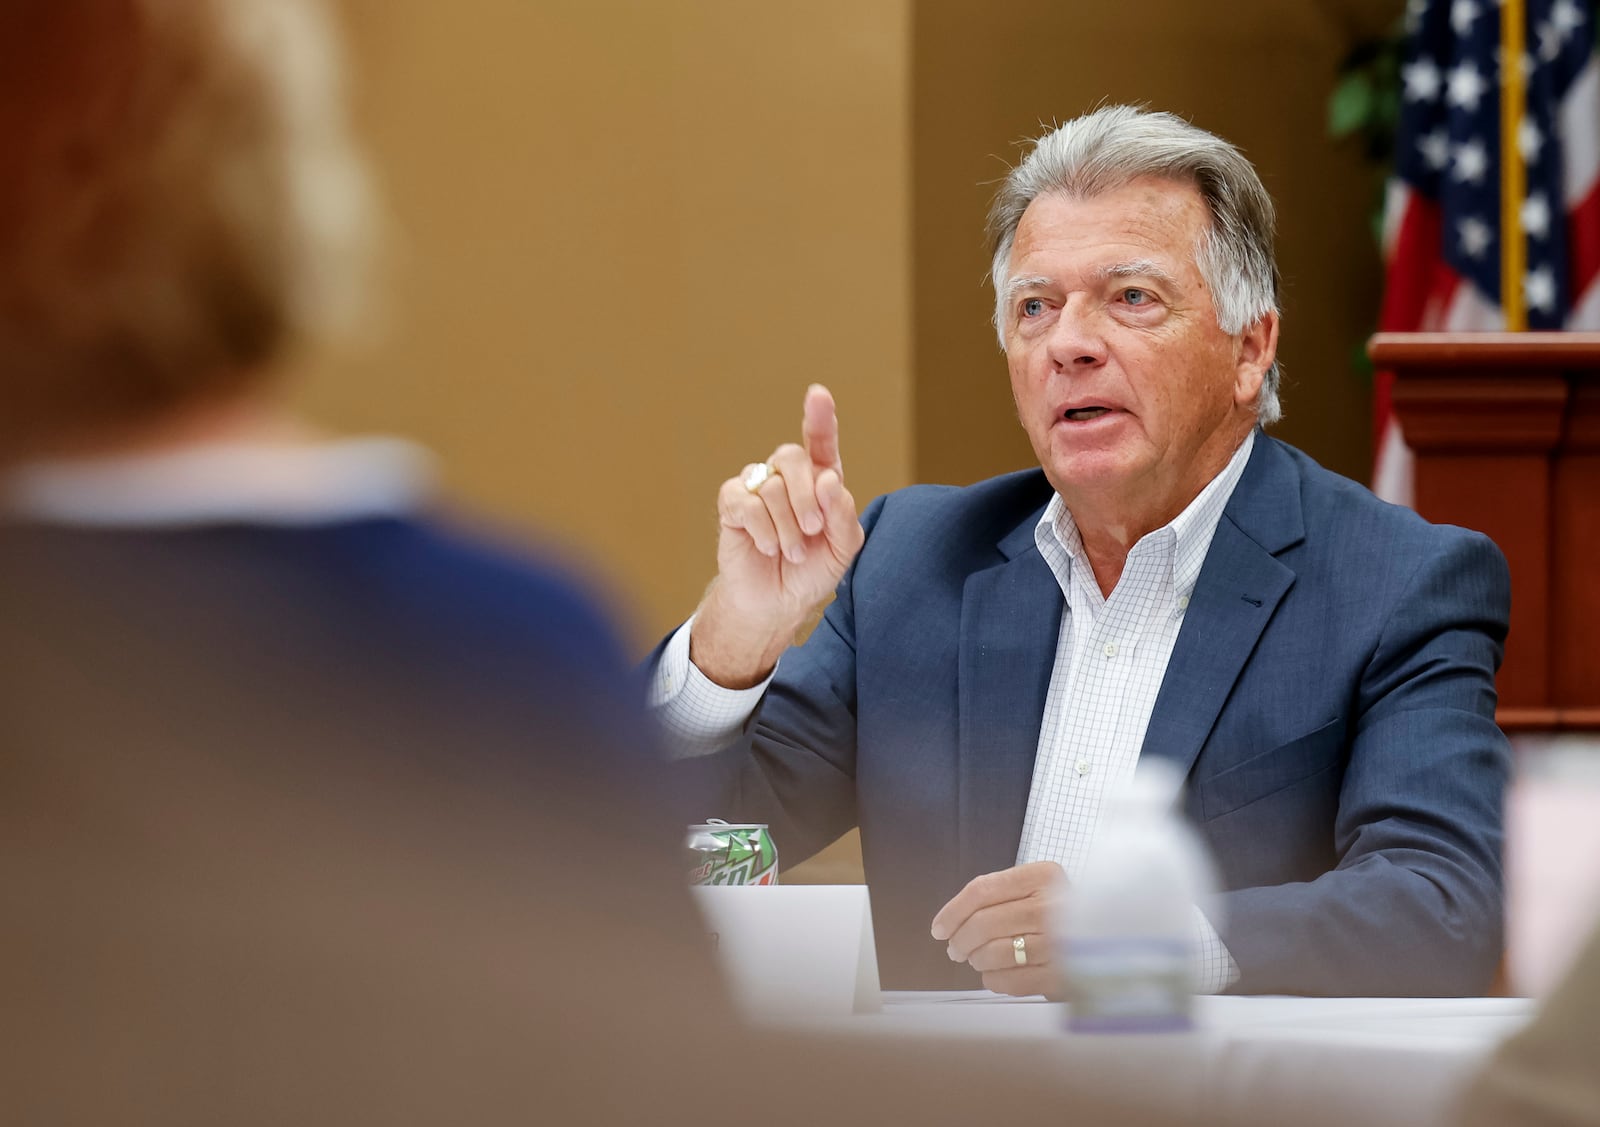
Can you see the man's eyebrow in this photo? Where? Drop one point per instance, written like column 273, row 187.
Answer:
column 1137, row 268
column 1032, row 282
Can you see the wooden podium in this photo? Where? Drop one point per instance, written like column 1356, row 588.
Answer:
column 1506, row 432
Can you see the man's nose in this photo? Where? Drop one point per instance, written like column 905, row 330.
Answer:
column 1077, row 340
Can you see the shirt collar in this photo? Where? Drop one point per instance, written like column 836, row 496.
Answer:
column 1187, row 536
column 224, row 482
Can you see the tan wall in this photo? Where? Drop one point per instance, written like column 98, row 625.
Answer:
column 630, row 234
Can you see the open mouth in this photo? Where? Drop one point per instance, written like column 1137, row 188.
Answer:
column 1084, row 414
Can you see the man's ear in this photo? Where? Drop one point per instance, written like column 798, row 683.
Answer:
column 1258, row 348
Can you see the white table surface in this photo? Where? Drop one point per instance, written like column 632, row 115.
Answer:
column 1306, row 1061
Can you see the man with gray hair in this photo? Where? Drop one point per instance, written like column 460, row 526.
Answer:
column 1170, row 583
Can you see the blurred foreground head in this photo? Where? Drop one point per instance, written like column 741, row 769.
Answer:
column 180, row 204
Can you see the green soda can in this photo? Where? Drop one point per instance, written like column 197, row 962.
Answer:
column 720, row 853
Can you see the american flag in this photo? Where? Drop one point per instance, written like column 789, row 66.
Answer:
column 1442, row 221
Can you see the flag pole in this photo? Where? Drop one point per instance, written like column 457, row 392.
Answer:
column 1513, row 172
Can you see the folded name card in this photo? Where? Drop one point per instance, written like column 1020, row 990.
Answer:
column 799, row 949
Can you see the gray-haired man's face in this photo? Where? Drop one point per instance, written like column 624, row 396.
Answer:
column 1132, row 395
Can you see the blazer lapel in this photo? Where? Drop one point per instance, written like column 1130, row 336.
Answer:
column 1010, row 618
column 1240, row 585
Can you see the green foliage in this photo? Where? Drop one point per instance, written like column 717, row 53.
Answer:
column 1365, row 102
column 1350, row 106
column 1364, row 109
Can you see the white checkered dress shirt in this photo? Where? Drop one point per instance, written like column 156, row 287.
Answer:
column 1111, row 656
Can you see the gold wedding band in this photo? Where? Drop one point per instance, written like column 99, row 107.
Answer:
column 757, row 476
column 1019, row 950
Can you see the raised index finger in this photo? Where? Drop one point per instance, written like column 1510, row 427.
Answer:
column 819, row 429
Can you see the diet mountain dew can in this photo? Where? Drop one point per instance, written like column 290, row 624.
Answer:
column 720, row 853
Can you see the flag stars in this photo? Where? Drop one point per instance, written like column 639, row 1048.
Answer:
column 1435, row 148
column 1539, row 288
column 1466, row 87
column 1536, row 215
column 1475, row 236
column 1529, row 139
column 1566, row 17
column 1471, row 162
column 1423, row 80
column 1549, row 45
column 1452, row 150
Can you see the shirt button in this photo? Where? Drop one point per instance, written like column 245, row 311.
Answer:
column 1083, row 766
column 1183, row 602
column 1111, row 649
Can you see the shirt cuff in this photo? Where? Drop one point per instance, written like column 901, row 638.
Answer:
column 1214, row 969
column 697, row 716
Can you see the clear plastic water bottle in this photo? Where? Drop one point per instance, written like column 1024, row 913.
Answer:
column 1125, row 929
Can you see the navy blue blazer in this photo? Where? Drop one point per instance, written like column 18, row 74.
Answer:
column 1331, row 696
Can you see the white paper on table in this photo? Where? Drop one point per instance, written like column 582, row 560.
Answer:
column 795, row 949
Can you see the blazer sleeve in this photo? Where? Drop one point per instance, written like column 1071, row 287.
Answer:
column 1414, row 905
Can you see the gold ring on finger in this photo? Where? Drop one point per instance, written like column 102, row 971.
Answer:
column 1019, row 950
column 756, row 476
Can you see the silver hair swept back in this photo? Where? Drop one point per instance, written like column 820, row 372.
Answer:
column 1113, row 146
